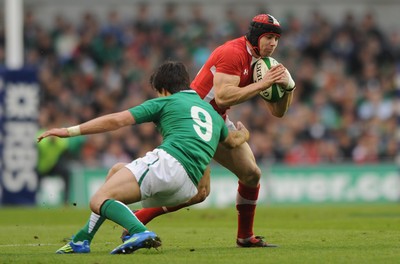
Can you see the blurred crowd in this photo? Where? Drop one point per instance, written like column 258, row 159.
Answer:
column 346, row 73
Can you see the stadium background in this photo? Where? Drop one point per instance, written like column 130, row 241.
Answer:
column 338, row 142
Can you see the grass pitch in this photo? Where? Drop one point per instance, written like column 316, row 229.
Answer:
column 305, row 234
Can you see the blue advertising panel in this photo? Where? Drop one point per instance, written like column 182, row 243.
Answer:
column 19, row 111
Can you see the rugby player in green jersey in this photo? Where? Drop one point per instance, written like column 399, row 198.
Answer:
column 166, row 176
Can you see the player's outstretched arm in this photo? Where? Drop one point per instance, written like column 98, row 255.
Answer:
column 98, row 125
column 237, row 137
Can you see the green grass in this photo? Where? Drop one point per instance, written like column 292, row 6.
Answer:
column 305, row 234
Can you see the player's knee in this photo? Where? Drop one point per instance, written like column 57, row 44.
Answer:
column 95, row 204
column 252, row 177
column 202, row 194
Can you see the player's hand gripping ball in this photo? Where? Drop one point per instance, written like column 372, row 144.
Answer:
column 275, row 92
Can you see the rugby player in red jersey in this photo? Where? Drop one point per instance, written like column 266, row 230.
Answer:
column 225, row 80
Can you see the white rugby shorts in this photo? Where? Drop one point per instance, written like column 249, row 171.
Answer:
column 162, row 179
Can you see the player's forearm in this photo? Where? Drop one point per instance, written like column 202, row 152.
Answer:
column 280, row 108
column 233, row 95
column 228, row 93
column 106, row 123
column 97, row 125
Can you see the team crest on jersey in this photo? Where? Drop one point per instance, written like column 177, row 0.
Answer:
column 246, row 72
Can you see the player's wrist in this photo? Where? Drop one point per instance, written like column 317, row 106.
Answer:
column 290, row 86
column 74, row 131
column 290, row 90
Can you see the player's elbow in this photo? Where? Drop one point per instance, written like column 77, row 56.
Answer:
column 221, row 102
column 278, row 114
column 278, row 111
column 121, row 119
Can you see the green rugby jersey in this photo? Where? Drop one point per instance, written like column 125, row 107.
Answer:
column 190, row 127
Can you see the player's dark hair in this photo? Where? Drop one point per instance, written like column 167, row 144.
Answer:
column 171, row 76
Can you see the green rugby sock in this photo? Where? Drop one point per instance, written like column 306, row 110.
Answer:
column 90, row 229
column 122, row 215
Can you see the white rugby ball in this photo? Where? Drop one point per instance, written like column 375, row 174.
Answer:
column 273, row 93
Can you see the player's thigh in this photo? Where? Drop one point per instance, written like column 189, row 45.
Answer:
column 204, row 183
column 114, row 169
column 240, row 161
column 203, row 187
column 122, row 187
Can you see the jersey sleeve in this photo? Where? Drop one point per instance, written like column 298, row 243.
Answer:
column 148, row 111
column 230, row 61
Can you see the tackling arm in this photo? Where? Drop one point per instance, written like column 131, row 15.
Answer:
column 97, row 125
column 236, row 137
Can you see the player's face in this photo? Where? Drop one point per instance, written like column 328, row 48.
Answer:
column 268, row 44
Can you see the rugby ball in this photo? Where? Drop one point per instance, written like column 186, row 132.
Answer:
column 273, row 93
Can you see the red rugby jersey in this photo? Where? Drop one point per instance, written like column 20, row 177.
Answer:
column 232, row 58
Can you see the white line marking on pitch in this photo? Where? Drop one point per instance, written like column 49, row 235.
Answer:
column 38, row 245
column 27, row 245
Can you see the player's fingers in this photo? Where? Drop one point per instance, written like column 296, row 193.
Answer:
column 278, row 73
column 42, row 136
column 277, row 67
